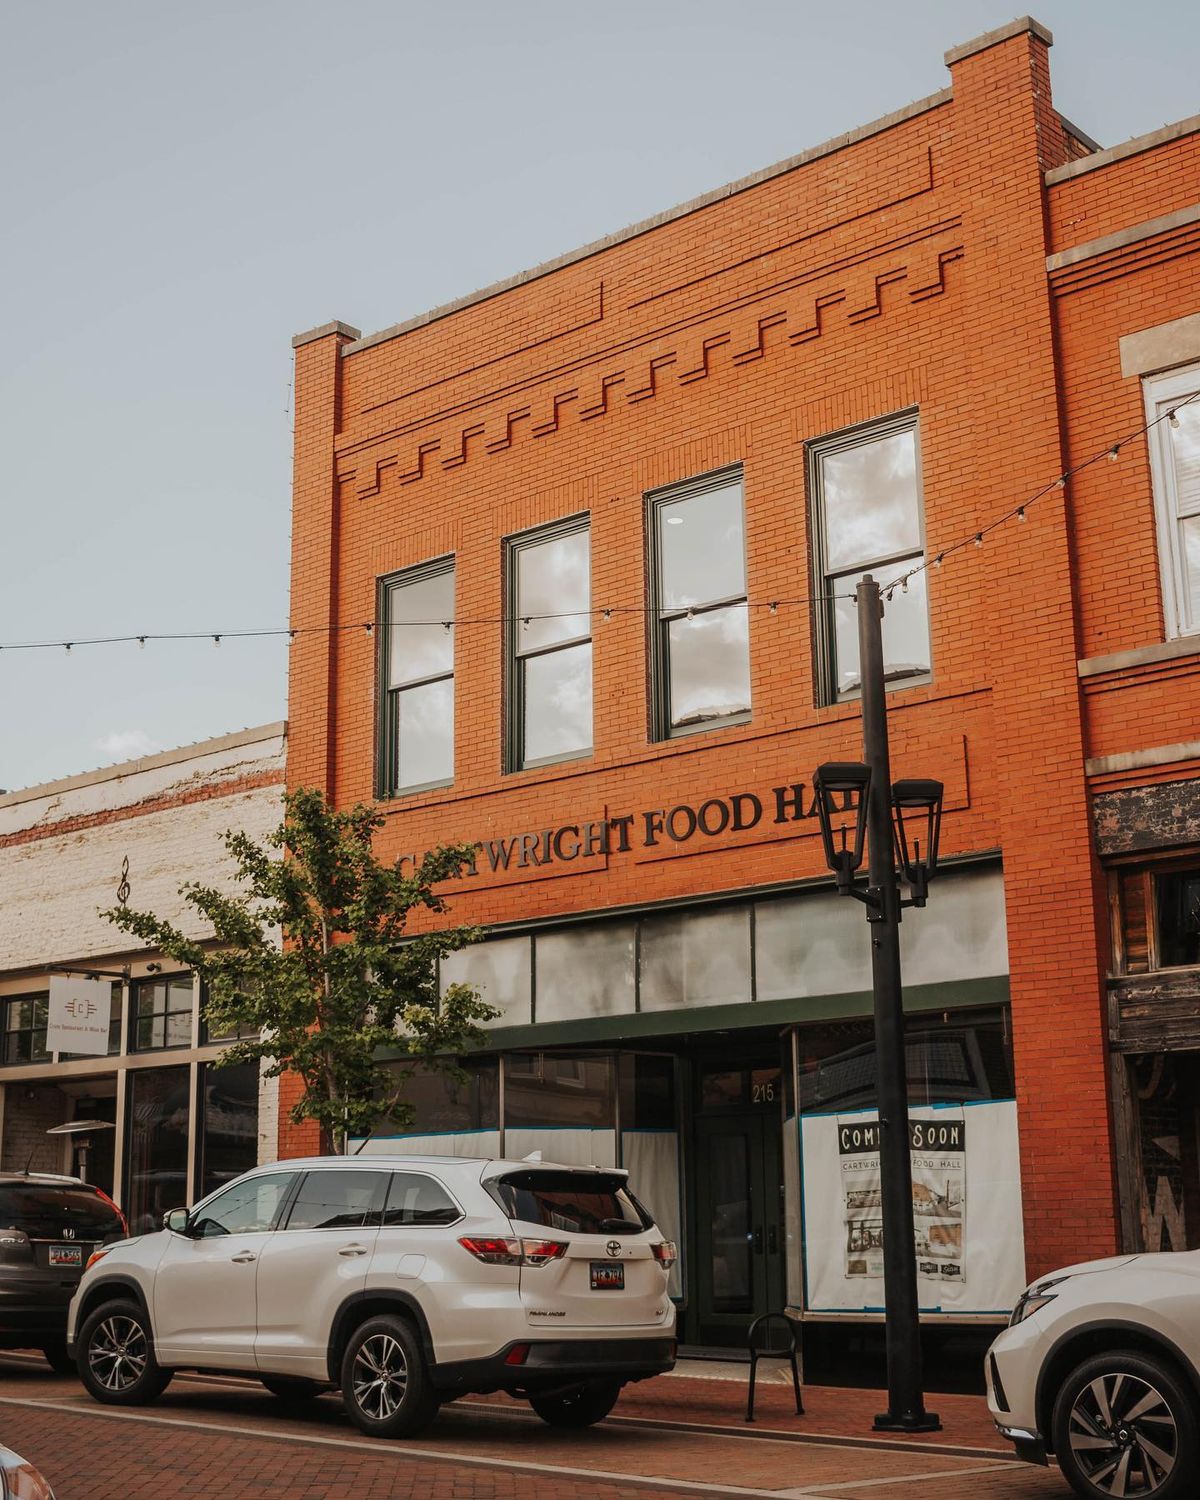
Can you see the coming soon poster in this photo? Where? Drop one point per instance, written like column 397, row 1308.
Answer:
column 966, row 1206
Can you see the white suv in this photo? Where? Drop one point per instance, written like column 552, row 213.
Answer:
column 1100, row 1365
column 405, row 1281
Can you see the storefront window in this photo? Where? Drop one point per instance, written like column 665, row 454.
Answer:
column 229, row 1034
column 962, row 1058
column 444, row 1104
column 227, row 1130
column 162, row 1013
column 25, row 1029
column 696, row 958
column 156, row 1125
column 555, row 1089
column 586, row 971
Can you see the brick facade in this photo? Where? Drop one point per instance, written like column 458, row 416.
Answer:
column 903, row 266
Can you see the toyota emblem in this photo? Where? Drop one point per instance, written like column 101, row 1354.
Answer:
column 68, row 1233
column 614, row 1248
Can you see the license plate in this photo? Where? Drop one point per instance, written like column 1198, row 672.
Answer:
column 607, row 1277
column 66, row 1255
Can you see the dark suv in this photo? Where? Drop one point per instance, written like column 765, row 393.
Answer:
column 48, row 1227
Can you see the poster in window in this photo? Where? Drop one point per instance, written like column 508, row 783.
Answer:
column 966, row 1201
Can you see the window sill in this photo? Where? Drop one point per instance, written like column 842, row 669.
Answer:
column 400, row 793
column 552, row 760
column 1141, row 656
column 707, row 726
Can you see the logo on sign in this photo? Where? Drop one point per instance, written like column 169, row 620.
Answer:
column 614, row 1248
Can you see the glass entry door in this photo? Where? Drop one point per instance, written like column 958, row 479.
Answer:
column 739, row 1233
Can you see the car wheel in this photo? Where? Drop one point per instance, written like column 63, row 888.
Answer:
column 57, row 1357
column 581, row 1406
column 291, row 1387
column 115, row 1356
column 385, row 1383
column 1124, row 1425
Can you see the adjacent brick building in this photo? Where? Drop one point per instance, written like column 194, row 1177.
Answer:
column 170, row 1126
column 606, row 514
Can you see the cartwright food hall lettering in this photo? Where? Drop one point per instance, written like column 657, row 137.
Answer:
column 735, row 813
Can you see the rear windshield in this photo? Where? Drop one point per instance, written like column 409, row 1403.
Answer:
column 586, row 1202
column 42, row 1211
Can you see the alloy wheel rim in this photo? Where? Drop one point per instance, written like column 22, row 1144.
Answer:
column 1123, row 1436
column 117, row 1353
column 380, row 1376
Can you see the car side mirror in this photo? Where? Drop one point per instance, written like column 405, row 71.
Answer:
column 176, row 1220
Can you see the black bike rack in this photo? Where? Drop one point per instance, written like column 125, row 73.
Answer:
column 757, row 1353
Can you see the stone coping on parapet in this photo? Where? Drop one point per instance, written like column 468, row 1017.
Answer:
column 147, row 763
column 1133, row 147
column 1003, row 33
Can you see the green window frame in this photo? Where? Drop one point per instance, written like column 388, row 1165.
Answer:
column 684, row 610
column 25, row 1021
column 415, row 673
column 533, row 645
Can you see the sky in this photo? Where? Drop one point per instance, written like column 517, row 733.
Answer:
column 185, row 186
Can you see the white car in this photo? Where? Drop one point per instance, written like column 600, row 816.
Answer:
column 405, row 1281
column 1100, row 1365
column 20, row 1480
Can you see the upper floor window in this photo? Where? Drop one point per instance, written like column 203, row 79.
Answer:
column 700, row 640
column 1159, row 925
column 417, row 669
column 162, row 1013
column 550, row 645
column 1175, row 465
column 867, row 518
column 25, row 1021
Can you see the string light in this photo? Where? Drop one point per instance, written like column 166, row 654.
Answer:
column 606, row 612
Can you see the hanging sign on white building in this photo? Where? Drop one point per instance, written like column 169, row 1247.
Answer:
column 78, row 1015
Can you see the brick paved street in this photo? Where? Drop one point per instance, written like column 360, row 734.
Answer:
column 207, row 1437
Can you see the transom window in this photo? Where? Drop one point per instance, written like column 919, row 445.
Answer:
column 867, row 518
column 1175, row 465
column 162, row 1013
column 550, row 645
column 700, row 642
column 417, row 730
column 25, row 1020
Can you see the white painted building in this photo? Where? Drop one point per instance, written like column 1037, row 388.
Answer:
column 170, row 1124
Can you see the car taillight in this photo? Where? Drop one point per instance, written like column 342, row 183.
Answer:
column 494, row 1250
column 100, row 1193
column 96, row 1255
column 665, row 1252
column 541, row 1252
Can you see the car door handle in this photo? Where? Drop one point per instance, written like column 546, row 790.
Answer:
column 243, row 1257
column 353, row 1250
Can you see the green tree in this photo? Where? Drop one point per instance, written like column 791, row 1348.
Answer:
column 347, row 980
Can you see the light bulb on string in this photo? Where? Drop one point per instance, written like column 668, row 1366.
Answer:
column 448, row 625
column 369, row 626
column 216, row 640
column 1114, row 453
column 773, row 607
column 979, row 538
column 1020, row 512
column 904, row 584
column 1172, row 419
column 606, row 615
column 141, row 642
column 937, row 562
column 1061, row 482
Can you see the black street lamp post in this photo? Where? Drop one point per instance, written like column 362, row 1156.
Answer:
column 893, row 821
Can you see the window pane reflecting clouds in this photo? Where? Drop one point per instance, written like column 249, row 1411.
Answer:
column 1185, row 455
column 905, row 633
column 586, row 971
column 558, row 703
column 553, row 577
column 419, row 651
column 696, row 958
column 709, row 665
column 425, row 733
column 870, row 498
column 702, row 547
column 1191, row 567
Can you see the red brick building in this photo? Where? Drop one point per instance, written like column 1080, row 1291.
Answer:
column 606, row 514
